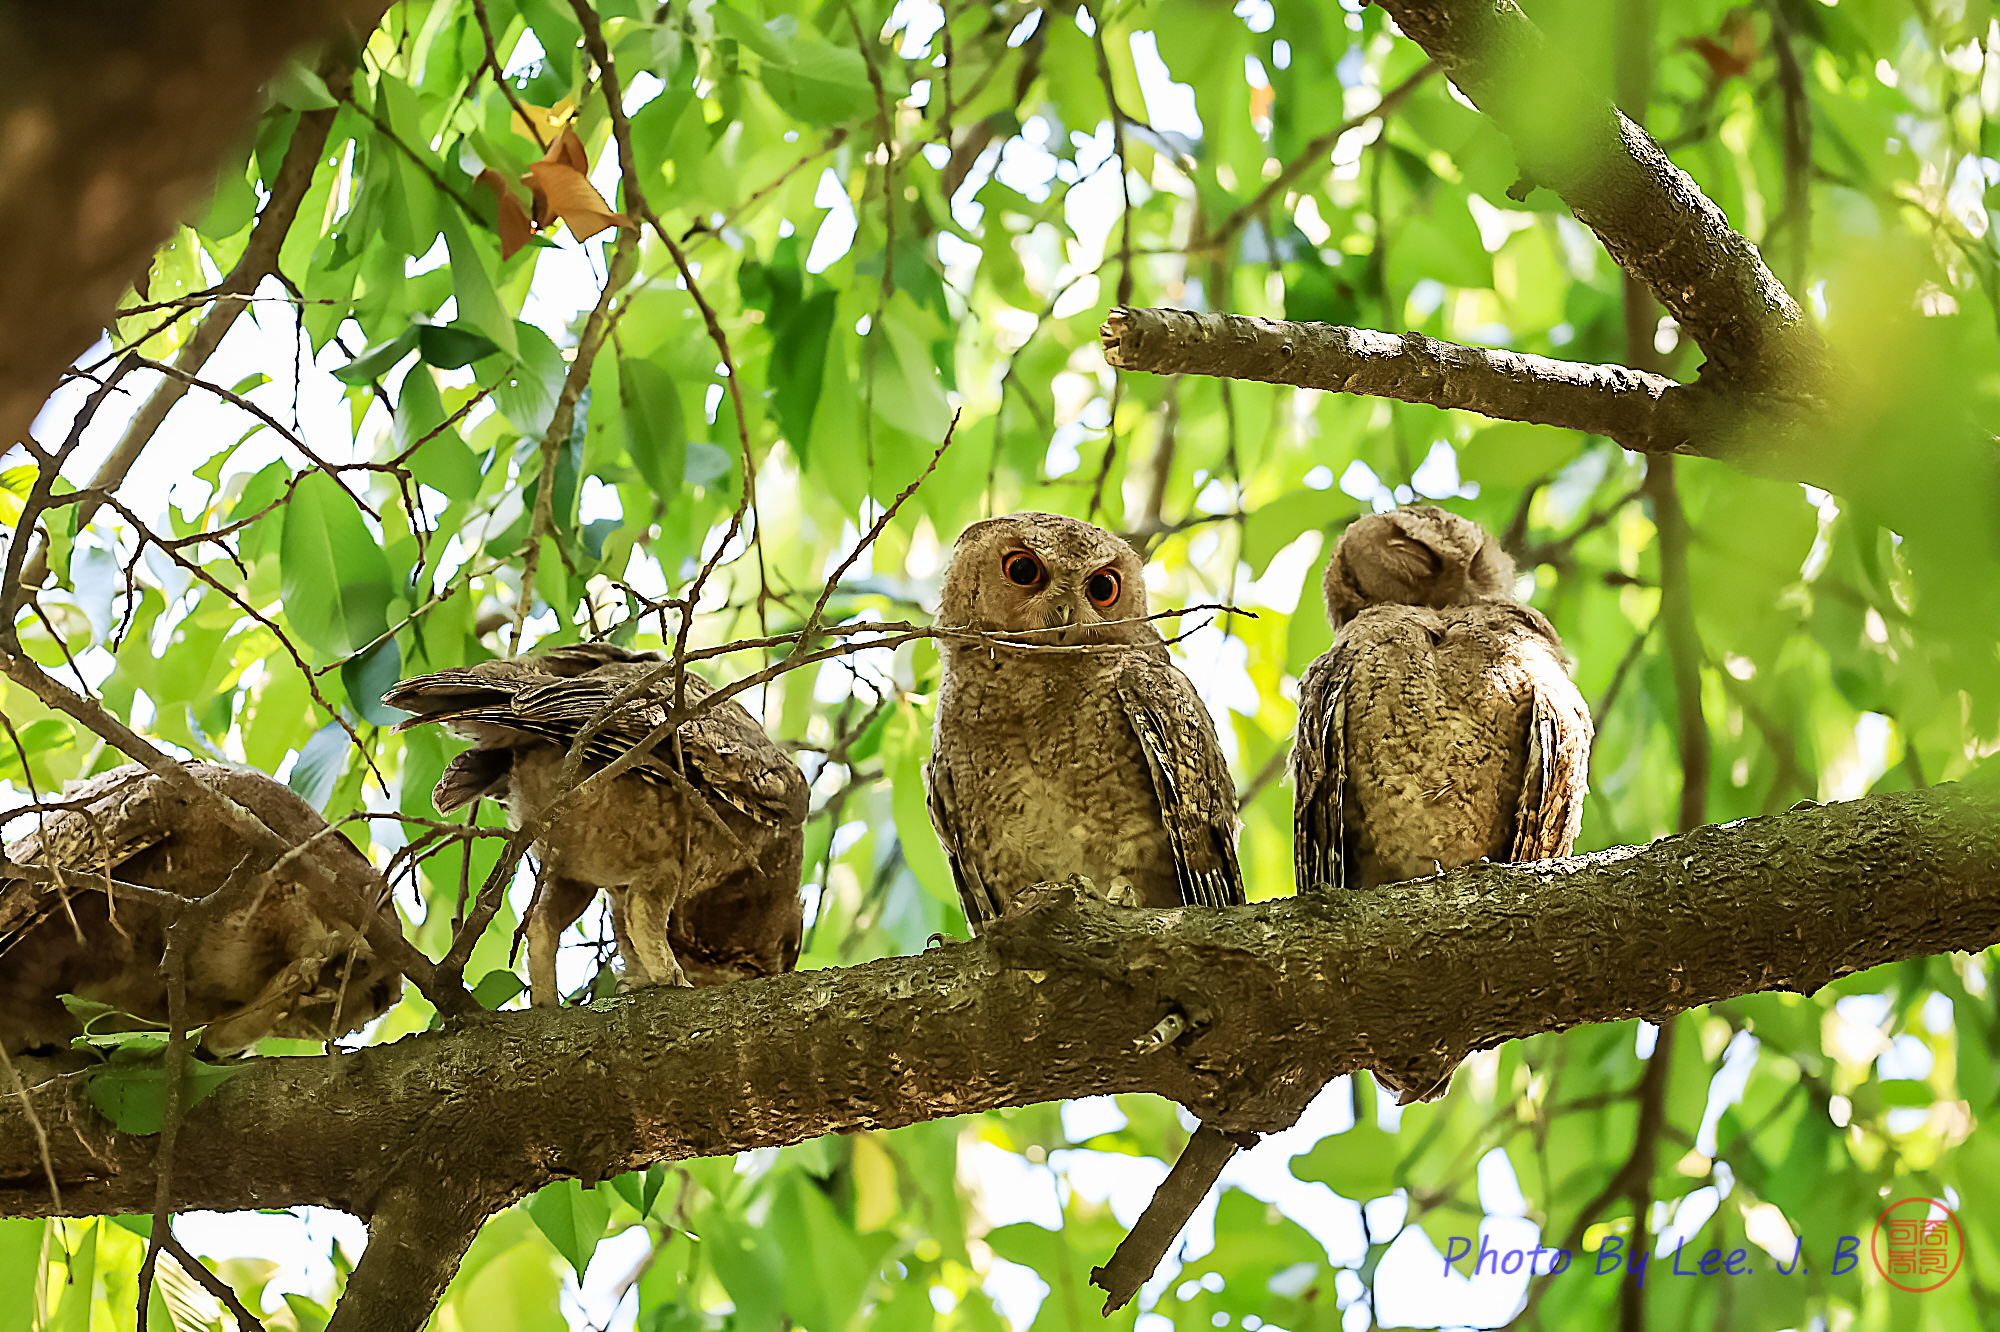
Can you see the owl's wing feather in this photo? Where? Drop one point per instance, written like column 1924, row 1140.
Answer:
column 550, row 698
column 1319, row 773
column 1190, row 779
column 1550, row 811
column 941, row 797
column 729, row 756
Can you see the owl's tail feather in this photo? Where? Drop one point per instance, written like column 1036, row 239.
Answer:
column 470, row 775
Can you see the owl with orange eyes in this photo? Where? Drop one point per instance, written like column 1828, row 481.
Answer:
column 1066, row 741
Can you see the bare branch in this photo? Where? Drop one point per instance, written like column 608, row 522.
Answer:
column 623, row 258
column 1644, row 412
column 418, row 1232
column 1315, row 154
column 1651, row 216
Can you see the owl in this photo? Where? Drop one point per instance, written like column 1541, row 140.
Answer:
column 698, row 847
column 275, row 964
column 1072, row 745
column 1442, row 727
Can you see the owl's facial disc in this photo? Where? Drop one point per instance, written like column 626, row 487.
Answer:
column 1031, row 600
column 1056, row 581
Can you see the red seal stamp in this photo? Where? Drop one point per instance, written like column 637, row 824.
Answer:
column 1917, row 1244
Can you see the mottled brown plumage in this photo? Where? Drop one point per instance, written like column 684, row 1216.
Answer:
column 1082, row 750
column 1442, row 727
column 276, row 964
column 699, row 846
column 1419, row 555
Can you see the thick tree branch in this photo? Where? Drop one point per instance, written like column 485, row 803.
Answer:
column 1279, row 997
column 113, row 118
column 1138, row 1255
column 1644, row 412
column 1650, row 214
column 258, row 261
column 417, row 1237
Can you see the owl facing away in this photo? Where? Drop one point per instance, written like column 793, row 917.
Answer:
column 1442, row 727
column 276, row 963
column 698, row 847
column 1072, row 745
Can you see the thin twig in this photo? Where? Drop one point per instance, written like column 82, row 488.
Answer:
column 635, row 199
column 1314, row 152
column 212, row 1283
column 500, row 74
column 562, row 420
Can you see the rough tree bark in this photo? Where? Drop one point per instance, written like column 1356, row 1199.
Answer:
column 1643, row 411
column 1767, row 399
column 1653, row 219
column 113, row 120
column 1281, row 996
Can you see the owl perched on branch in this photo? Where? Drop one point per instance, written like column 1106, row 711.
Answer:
column 699, row 846
column 274, row 962
column 1442, row 727
column 1073, row 745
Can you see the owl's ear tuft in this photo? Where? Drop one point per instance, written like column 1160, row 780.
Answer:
column 1492, row 572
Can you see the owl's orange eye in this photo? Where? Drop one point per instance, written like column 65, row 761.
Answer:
column 1022, row 569
column 1102, row 587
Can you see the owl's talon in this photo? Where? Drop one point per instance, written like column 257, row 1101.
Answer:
column 1164, row 1033
column 1123, row 894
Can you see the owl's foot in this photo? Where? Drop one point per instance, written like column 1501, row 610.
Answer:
column 1121, row 893
column 628, row 983
column 1416, row 1083
column 287, row 990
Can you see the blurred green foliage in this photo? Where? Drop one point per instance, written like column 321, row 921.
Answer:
column 1840, row 656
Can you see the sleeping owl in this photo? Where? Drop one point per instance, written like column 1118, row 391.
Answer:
column 698, row 847
column 1070, row 743
column 1442, row 727
column 275, row 964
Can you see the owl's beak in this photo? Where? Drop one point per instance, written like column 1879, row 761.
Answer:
column 1061, row 616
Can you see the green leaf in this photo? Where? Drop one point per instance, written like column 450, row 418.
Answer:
column 369, row 676
column 707, row 463
column 20, row 1260
column 377, row 361
column 297, row 86
column 1272, row 527
column 798, row 363
column 479, row 306
column 442, row 461
column 496, row 987
column 39, row 739
column 86, row 1011
column 1359, row 1164
column 73, row 1299
column 335, row 579
column 133, row 1097
column 319, row 765
column 655, row 428
column 450, row 346
column 641, row 1188
column 806, row 76
column 1514, row 453
column 823, row 84
column 515, row 1290
column 527, row 397
column 827, row 1291
column 573, row 1218
column 905, row 743
column 731, row 22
